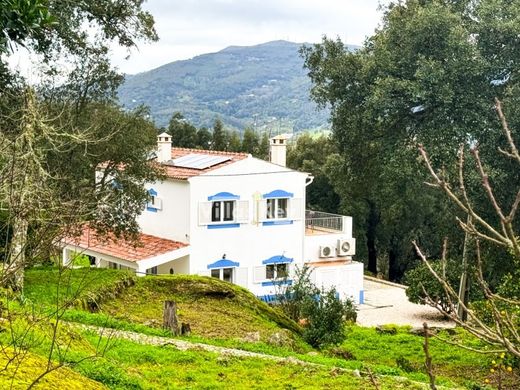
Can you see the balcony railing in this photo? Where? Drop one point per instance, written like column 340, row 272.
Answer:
column 320, row 222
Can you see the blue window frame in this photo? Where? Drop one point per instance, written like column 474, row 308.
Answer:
column 155, row 203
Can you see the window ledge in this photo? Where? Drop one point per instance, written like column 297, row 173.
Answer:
column 228, row 225
column 152, row 209
column 285, row 282
column 278, row 222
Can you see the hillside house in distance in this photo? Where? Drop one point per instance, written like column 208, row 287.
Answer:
column 233, row 217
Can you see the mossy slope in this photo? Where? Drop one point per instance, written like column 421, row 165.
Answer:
column 20, row 373
column 212, row 307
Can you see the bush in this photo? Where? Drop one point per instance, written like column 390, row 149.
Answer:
column 421, row 284
column 322, row 312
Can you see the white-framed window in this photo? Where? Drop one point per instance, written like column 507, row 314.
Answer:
column 225, row 274
column 277, row 208
column 276, row 271
column 152, row 271
column 280, row 210
column 223, row 211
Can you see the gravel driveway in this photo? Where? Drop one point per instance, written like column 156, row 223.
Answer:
column 388, row 304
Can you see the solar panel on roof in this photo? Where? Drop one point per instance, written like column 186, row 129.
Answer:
column 198, row 161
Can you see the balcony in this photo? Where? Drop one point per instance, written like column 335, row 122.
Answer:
column 318, row 222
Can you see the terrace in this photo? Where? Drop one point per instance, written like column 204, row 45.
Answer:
column 319, row 222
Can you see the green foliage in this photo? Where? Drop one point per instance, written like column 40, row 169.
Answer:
column 235, row 144
column 292, row 298
column 203, row 138
column 428, row 75
column 21, row 20
column 322, row 311
column 250, row 141
column 326, row 315
column 315, row 155
column 424, row 288
column 218, row 141
column 386, row 350
column 184, row 134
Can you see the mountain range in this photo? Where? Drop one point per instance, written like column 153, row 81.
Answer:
column 263, row 86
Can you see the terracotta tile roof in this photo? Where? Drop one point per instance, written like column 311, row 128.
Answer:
column 147, row 246
column 181, row 173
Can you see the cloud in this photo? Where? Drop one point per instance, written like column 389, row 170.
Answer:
column 188, row 28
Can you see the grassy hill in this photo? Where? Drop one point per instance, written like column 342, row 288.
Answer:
column 263, row 85
column 220, row 314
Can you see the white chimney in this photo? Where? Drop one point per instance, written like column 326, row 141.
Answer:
column 164, row 147
column 278, row 149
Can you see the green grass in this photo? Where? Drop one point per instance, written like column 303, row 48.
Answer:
column 404, row 350
column 222, row 314
column 130, row 365
column 80, row 287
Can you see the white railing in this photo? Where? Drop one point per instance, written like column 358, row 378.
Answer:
column 321, row 221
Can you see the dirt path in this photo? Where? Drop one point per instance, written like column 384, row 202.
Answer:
column 185, row 345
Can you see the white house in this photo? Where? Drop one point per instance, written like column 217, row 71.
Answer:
column 233, row 217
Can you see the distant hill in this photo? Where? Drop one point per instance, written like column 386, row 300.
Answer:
column 264, row 86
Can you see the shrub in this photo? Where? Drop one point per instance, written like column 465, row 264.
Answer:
column 423, row 285
column 323, row 312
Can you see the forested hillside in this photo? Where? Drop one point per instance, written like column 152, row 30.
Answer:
column 264, row 86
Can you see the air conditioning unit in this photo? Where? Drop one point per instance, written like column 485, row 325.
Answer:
column 346, row 247
column 327, row 251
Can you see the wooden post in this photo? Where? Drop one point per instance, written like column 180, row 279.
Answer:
column 428, row 359
column 170, row 320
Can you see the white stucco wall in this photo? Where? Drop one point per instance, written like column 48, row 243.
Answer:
column 179, row 266
column 314, row 242
column 252, row 242
column 173, row 221
column 347, row 279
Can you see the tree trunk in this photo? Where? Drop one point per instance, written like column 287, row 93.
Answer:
column 13, row 274
column 464, row 282
column 372, row 222
column 170, row 320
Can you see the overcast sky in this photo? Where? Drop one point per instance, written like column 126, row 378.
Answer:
column 188, row 28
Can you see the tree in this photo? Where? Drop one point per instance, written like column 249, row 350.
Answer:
column 203, row 138
column 219, row 136
column 61, row 150
column 424, row 289
column 428, row 75
column 71, row 31
column 235, row 144
column 21, row 21
column 48, row 183
column 263, row 147
column 315, row 155
column 184, row 134
column 502, row 304
column 250, row 141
